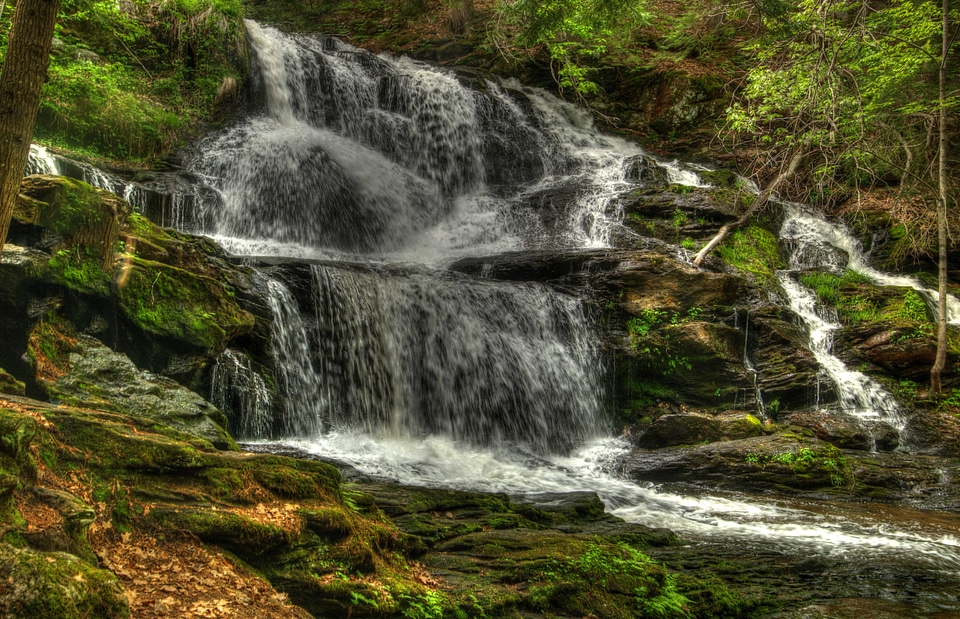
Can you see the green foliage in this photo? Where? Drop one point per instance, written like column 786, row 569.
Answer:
column 430, row 605
column 95, row 108
column 639, row 326
column 131, row 80
column 574, row 584
column 573, row 33
column 826, row 459
column 753, row 250
column 853, row 82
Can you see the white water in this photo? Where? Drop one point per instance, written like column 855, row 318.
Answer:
column 821, row 244
column 299, row 382
column 858, row 394
column 40, row 161
column 440, row 462
column 393, row 159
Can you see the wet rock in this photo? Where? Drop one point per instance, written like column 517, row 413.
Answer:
column 788, row 374
column 933, row 432
column 786, row 462
column 699, row 428
column 86, row 373
column 898, row 349
column 848, row 431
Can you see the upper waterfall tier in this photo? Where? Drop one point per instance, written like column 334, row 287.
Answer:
column 352, row 152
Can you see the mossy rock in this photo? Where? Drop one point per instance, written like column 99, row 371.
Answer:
column 80, row 371
column 331, row 523
column 288, row 476
column 56, row 586
column 117, row 443
column 696, row 429
column 168, row 301
column 17, row 432
column 10, row 385
column 244, row 536
column 287, row 482
column 68, row 206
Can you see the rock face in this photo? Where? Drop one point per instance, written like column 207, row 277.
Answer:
column 84, row 372
column 171, row 302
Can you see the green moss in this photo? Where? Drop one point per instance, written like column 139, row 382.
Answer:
column 57, row 586
column 858, row 301
column 79, row 269
column 287, row 482
column 319, row 475
column 753, row 250
column 119, row 443
column 166, row 300
column 244, row 536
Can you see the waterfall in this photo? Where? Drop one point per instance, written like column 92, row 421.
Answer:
column 371, row 155
column 814, row 244
column 303, row 404
column 40, row 161
column 241, row 393
column 821, row 244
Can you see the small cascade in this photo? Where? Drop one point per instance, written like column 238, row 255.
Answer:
column 821, row 244
column 407, row 355
column 303, row 406
column 815, row 244
column 751, row 370
column 241, row 393
column 40, row 161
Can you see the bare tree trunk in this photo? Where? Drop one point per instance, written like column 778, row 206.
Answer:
column 21, row 83
column 941, row 360
column 759, row 202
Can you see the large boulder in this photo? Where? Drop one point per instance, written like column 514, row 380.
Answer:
column 56, row 585
column 81, row 371
column 698, row 428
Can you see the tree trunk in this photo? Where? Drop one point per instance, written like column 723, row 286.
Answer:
column 941, row 360
column 21, row 83
column 761, row 200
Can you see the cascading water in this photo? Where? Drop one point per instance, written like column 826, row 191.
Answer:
column 366, row 154
column 818, row 243
column 421, row 375
column 241, row 392
column 302, row 413
column 482, row 362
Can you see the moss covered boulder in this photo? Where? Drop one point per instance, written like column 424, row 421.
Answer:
column 80, row 370
column 10, row 385
column 56, row 586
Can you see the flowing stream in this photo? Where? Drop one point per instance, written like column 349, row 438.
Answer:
column 363, row 176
